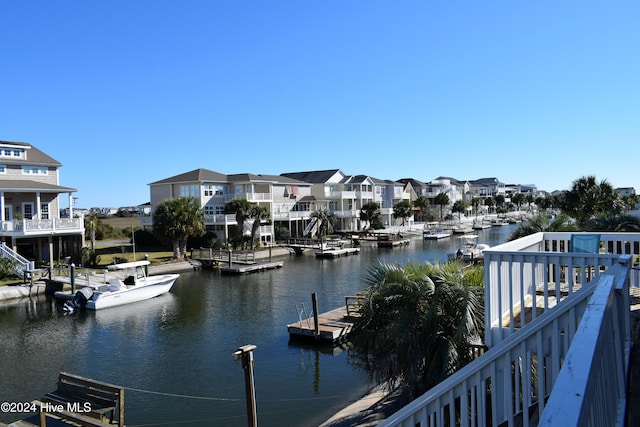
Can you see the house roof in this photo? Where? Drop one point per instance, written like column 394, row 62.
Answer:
column 205, row 175
column 30, row 186
column 314, row 177
column 196, row 175
column 34, row 155
column 414, row 182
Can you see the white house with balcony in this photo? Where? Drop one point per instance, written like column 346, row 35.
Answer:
column 345, row 195
column 30, row 194
column 286, row 200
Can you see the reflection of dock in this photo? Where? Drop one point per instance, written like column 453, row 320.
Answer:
column 234, row 262
column 332, row 326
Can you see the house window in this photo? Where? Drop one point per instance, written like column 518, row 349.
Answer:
column 213, row 190
column 44, row 211
column 209, row 210
column 219, row 209
column 3, row 169
column 190, row 191
column 34, row 170
column 27, row 210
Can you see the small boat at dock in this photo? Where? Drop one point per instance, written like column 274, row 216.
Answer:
column 127, row 283
column 470, row 250
column 432, row 231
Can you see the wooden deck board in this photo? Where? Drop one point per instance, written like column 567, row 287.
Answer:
column 332, row 326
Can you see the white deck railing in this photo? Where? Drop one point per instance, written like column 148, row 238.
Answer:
column 510, row 384
column 34, row 227
column 537, row 271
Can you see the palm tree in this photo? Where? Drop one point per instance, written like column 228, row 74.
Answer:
column 588, row 198
column 370, row 213
column 422, row 203
column 326, row 220
column 542, row 222
column 518, row 199
column 459, row 207
column 402, row 210
column 242, row 210
column 490, row 202
column 441, row 199
column 614, row 222
column 174, row 220
column 258, row 214
column 475, row 202
column 417, row 322
column 92, row 225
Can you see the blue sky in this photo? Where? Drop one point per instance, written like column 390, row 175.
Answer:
column 125, row 93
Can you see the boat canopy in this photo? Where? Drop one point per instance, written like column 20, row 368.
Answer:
column 126, row 265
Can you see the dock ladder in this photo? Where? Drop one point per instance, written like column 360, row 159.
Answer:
column 302, row 314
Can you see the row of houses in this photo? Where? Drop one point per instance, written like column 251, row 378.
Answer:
column 291, row 198
column 33, row 224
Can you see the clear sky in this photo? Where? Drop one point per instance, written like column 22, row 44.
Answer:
column 127, row 92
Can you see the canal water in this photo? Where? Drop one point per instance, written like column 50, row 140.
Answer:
column 173, row 354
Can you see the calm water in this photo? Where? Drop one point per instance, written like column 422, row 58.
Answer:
column 174, row 353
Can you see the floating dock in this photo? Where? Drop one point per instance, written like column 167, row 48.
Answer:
column 332, row 326
column 249, row 268
column 336, row 253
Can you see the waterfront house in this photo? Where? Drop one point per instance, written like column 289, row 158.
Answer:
column 557, row 329
column 30, row 196
column 287, row 200
column 345, row 195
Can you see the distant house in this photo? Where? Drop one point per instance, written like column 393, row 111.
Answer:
column 30, row 196
column 287, row 200
column 345, row 195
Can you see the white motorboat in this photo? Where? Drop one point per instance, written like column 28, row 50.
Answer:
column 470, row 250
column 127, row 283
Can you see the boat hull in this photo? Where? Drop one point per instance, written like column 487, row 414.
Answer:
column 158, row 285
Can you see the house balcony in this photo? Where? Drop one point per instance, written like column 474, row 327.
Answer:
column 340, row 195
column 557, row 325
column 255, row 197
column 42, row 227
column 291, row 215
column 347, row 213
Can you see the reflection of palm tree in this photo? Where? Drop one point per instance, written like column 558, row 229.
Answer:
column 416, row 323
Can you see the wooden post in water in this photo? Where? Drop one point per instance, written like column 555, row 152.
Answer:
column 246, row 354
column 72, row 277
column 230, row 255
column 316, row 323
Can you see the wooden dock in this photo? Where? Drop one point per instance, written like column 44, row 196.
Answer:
column 249, row 268
column 337, row 252
column 332, row 326
column 233, row 262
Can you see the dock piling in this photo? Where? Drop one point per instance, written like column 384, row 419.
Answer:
column 246, row 354
column 316, row 322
